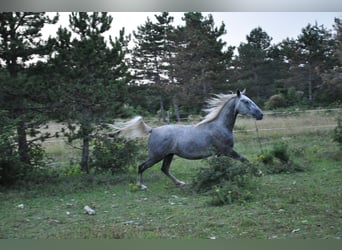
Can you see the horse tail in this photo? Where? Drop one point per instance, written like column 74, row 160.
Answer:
column 135, row 128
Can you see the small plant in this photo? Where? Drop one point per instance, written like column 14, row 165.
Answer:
column 133, row 187
column 266, row 158
column 225, row 180
column 72, row 170
column 280, row 151
column 277, row 160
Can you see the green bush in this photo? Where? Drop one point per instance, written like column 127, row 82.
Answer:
column 114, row 155
column 280, row 151
column 276, row 101
column 225, row 180
column 277, row 160
column 10, row 165
column 337, row 137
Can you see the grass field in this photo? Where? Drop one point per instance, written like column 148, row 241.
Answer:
column 284, row 206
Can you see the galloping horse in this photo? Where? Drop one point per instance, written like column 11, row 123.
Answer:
column 213, row 135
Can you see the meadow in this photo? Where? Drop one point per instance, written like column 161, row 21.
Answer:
column 296, row 205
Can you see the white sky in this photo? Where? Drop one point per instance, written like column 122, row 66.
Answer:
column 278, row 25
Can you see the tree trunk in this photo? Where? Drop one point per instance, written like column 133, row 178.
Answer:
column 85, row 131
column 176, row 108
column 85, row 154
column 310, row 84
column 162, row 109
column 22, row 143
column 23, row 147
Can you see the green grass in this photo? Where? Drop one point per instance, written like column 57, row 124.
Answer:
column 301, row 205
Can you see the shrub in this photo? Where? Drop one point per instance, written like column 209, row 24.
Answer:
column 10, row 165
column 227, row 181
column 277, row 160
column 115, row 155
column 337, row 137
column 280, row 151
column 275, row 101
column 265, row 158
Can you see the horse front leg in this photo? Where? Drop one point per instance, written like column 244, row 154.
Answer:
column 235, row 155
column 225, row 147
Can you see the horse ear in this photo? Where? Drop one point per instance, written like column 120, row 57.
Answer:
column 243, row 91
column 238, row 93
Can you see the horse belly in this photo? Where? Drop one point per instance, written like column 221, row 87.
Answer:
column 184, row 141
column 193, row 148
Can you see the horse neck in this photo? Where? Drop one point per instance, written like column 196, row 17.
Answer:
column 227, row 116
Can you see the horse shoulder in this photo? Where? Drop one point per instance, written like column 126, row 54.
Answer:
column 223, row 137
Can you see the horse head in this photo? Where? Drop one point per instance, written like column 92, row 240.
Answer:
column 246, row 106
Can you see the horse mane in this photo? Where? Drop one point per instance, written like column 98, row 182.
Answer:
column 214, row 107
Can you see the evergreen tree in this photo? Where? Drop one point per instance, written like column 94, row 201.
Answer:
column 200, row 62
column 332, row 77
column 307, row 56
column 21, row 98
column 257, row 66
column 90, row 78
column 151, row 58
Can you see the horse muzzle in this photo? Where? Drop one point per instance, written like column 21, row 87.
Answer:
column 259, row 116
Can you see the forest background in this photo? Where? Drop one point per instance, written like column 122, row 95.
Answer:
column 83, row 80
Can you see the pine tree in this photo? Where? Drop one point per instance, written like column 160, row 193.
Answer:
column 200, row 61
column 308, row 55
column 90, row 78
column 253, row 64
column 151, row 57
column 332, row 77
column 20, row 42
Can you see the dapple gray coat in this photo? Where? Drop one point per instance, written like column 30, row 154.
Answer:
column 213, row 135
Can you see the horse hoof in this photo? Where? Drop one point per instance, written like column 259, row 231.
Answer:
column 180, row 184
column 143, row 187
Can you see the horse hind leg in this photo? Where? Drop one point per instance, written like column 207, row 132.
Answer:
column 142, row 167
column 166, row 170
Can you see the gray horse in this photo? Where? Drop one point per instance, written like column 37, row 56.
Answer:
column 213, row 135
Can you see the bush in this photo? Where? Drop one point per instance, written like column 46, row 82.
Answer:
column 227, row 181
column 337, row 137
column 280, row 151
column 10, row 165
column 275, row 101
column 115, row 155
column 277, row 160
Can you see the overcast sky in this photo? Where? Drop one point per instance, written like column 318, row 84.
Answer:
column 278, row 25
